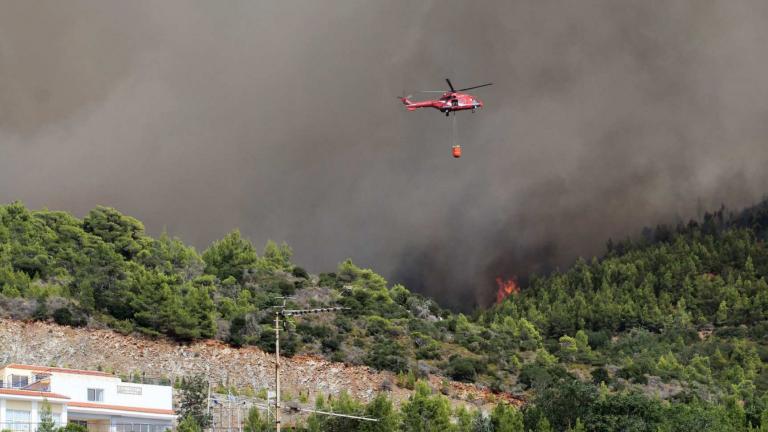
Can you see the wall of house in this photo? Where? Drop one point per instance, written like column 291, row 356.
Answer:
column 115, row 392
column 125, row 420
column 5, row 375
column 18, row 405
column 118, row 423
column 28, row 405
column 34, row 407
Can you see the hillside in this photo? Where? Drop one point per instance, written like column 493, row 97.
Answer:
column 666, row 331
column 104, row 270
column 244, row 371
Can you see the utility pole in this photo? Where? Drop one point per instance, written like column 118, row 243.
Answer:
column 208, row 400
column 288, row 312
column 277, row 369
column 239, row 418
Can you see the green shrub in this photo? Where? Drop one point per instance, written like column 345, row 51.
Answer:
column 62, row 316
column 538, row 376
column 331, row 344
column 73, row 427
column 262, row 394
column 598, row 339
column 406, row 380
column 461, row 369
column 600, row 375
column 300, row 273
column 635, row 372
column 387, row 354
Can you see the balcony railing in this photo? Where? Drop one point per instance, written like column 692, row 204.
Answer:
column 39, row 382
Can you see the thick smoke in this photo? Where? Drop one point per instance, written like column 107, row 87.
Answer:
column 280, row 118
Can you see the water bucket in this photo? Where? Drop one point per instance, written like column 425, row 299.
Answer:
column 456, row 151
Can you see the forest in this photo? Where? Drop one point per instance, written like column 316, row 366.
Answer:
column 665, row 331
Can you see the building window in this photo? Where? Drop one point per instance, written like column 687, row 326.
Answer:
column 18, row 381
column 140, row 427
column 18, row 421
column 95, row 395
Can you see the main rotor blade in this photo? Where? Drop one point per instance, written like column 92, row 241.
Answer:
column 470, row 88
column 431, row 91
column 450, row 85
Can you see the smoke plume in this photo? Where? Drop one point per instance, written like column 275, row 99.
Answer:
column 280, row 118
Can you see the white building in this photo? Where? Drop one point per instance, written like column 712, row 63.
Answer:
column 97, row 400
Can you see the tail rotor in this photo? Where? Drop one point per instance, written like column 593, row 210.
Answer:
column 406, row 100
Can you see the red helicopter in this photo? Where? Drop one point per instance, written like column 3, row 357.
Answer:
column 450, row 100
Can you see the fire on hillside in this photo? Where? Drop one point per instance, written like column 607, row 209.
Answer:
column 506, row 288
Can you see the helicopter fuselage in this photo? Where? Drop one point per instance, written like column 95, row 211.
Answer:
column 448, row 102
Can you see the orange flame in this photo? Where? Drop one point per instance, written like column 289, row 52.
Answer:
column 506, row 289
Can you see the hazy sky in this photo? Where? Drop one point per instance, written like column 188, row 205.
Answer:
column 279, row 117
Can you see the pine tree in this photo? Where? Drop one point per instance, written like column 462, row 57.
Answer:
column 722, row 313
column 46, row 419
column 230, row 256
column 343, row 404
column 506, row 418
column 193, row 400
column 188, row 424
column 464, row 418
column 579, row 426
column 380, row 408
column 275, row 257
column 254, row 422
column 543, row 425
column 315, row 423
column 424, row 412
column 481, row 423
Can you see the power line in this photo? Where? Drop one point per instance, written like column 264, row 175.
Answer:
column 265, row 407
column 286, row 313
column 289, row 312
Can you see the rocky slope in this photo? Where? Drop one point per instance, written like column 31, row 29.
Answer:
column 244, row 368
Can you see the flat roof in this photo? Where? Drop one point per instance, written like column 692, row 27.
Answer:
column 59, row 370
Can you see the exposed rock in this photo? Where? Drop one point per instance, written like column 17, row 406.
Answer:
column 656, row 387
column 248, row 367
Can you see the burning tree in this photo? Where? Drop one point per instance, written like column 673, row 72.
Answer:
column 506, row 288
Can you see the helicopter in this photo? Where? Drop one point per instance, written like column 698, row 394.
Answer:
column 450, row 101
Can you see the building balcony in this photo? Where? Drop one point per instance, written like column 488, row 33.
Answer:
column 38, row 383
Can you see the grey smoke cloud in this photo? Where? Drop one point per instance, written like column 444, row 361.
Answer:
column 280, row 118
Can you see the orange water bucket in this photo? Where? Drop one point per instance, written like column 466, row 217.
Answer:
column 456, row 151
